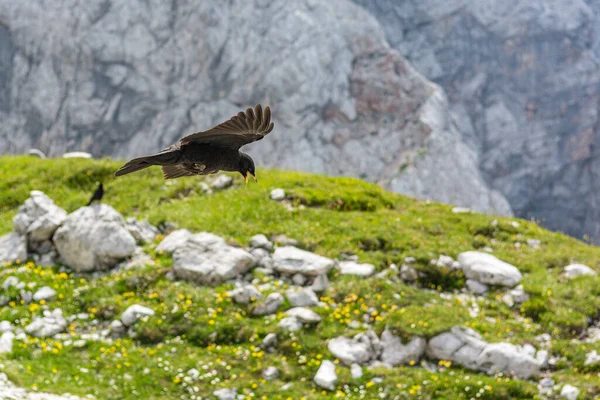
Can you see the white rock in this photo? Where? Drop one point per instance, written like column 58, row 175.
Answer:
column 221, row 182
column 575, row 270
column 299, row 279
column 291, row 260
column 350, row 351
column 77, row 154
column 13, row 248
column 135, row 312
column 461, row 210
column 36, row 153
column 244, row 294
column 117, row 327
column 326, row 377
column 193, row 373
column 592, row 358
column 270, row 305
column 467, row 348
column 487, row 269
column 6, row 343
column 569, row 392
column 269, row 341
column 142, row 231
column 261, row 242
column 12, row 281
column 444, row 261
column 290, row 324
column 206, row 258
column 270, row 373
column 48, row 325
column 5, row 326
column 38, row 218
column 356, row 371
column 408, row 274
column 519, row 295
column 302, row 297
column 320, row 283
column 93, row 238
column 304, row 315
column 396, row 353
column 225, row 394
column 277, row 194
column 353, row 268
column 476, row 287
column 534, row 243
column 173, row 241
column 44, row 293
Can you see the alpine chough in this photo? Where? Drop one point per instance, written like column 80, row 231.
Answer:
column 207, row 152
column 98, row 194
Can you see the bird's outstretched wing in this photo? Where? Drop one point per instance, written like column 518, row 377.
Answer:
column 175, row 171
column 241, row 129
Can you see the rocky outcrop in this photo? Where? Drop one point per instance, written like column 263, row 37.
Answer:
column 206, row 258
column 124, row 79
column 93, row 238
column 522, row 78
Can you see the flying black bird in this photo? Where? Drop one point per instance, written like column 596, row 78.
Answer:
column 207, row 152
column 97, row 194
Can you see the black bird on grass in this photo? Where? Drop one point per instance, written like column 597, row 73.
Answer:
column 97, row 194
column 207, row 152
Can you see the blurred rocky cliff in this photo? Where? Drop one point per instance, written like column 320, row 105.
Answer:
column 513, row 109
column 522, row 79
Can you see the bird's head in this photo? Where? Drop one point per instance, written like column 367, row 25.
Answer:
column 246, row 167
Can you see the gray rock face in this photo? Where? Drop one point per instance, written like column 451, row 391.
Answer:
column 48, row 325
column 343, row 93
column 487, row 269
column 395, row 353
column 38, row 218
column 467, row 348
column 93, row 238
column 13, row 247
column 261, row 242
column 291, row 260
column 326, row 377
column 206, row 258
column 533, row 123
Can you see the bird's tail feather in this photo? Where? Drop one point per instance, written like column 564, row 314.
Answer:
column 163, row 158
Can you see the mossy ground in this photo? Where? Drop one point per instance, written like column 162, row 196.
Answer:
column 200, row 327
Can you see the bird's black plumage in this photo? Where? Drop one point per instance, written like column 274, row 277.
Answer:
column 207, row 152
column 98, row 194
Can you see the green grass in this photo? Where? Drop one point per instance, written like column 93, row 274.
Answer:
column 197, row 327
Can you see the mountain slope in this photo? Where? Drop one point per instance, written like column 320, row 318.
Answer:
column 522, row 78
column 333, row 217
column 126, row 78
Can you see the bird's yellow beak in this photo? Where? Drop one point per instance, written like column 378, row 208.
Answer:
column 248, row 173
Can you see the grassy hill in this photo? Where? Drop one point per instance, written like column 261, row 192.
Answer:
column 200, row 327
